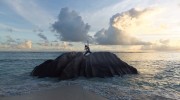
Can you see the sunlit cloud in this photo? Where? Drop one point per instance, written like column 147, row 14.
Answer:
column 103, row 15
column 120, row 24
column 126, row 25
column 138, row 21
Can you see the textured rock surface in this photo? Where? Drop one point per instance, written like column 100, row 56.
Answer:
column 73, row 64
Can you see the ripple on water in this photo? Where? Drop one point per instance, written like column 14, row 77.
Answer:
column 159, row 76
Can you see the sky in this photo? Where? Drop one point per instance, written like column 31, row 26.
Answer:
column 108, row 25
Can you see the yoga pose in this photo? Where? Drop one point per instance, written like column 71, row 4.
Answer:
column 87, row 50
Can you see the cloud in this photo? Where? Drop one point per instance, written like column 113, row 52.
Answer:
column 117, row 33
column 31, row 12
column 45, row 42
column 164, row 41
column 160, row 48
column 25, row 45
column 71, row 27
column 66, row 44
column 55, row 45
column 38, row 30
column 9, row 40
column 103, row 14
column 161, row 45
column 12, row 28
column 42, row 36
column 11, row 43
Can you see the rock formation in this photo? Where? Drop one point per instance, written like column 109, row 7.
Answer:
column 74, row 64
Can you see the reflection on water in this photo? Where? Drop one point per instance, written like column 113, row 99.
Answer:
column 157, row 70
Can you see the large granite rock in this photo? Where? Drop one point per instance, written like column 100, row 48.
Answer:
column 73, row 64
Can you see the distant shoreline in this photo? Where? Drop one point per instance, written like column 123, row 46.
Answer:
column 72, row 51
column 83, row 51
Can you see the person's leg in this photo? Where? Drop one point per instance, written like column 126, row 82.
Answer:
column 89, row 52
column 85, row 53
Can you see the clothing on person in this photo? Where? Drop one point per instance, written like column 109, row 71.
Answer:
column 87, row 50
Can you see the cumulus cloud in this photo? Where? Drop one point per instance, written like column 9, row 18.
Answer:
column 118, row 31
column 71, row 27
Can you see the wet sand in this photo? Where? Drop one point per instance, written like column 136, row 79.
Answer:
column 60, row 93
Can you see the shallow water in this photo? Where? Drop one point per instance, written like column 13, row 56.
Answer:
column 159, row 76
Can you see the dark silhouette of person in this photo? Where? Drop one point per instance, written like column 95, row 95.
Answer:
column 87, row 50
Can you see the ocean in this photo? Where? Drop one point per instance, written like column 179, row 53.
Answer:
column 159, row 76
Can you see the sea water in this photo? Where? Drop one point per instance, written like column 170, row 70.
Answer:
column 159, row 76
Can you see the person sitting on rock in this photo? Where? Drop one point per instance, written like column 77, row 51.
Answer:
column 87, row 50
